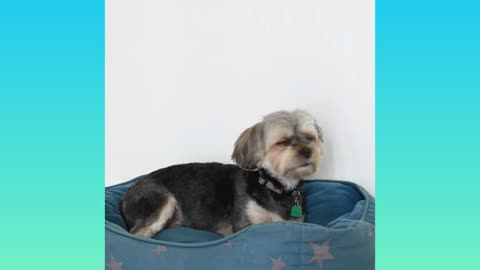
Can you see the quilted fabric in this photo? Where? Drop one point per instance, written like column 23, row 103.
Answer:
column 338, row 235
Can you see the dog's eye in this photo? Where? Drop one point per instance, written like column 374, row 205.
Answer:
column 283, row 142
column 309, row 138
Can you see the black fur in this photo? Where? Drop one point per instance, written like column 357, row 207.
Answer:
column 209, row 195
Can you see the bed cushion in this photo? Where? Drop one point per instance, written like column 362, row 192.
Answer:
column 338, row 234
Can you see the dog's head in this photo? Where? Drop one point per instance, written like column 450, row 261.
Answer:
column 288, row 144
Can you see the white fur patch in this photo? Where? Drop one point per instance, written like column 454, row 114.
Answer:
column 257, row 214
column 166, row 213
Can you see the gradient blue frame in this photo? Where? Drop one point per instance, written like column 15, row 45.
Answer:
column 427, row 134
column 52, row 134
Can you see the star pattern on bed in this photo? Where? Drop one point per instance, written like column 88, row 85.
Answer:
column 159, row 250
column 314, row 249
column 277, row 264
column 229, row 244
column 321, row 253
column 114, row 265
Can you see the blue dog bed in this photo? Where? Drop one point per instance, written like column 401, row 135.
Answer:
column 338, row 234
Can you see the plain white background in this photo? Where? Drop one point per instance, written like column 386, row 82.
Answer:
column 184, row 78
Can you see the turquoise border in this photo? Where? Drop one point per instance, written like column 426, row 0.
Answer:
column 51, row 124
column 52, row 134
column 427, row 134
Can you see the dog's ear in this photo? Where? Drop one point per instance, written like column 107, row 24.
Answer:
column 248, row 149
column 319, row 132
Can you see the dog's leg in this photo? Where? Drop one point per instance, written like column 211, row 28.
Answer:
column 157, row 222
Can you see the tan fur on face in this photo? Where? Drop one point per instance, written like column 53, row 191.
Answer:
column 284, row 159
column 276, row 158
column 261, row 145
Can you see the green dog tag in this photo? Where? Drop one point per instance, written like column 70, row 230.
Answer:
column 296, row 211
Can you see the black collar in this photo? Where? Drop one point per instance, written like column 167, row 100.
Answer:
column 268, row 180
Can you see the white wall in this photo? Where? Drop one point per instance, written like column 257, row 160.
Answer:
column 185, row 77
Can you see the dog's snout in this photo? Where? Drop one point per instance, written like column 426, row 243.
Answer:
column 305, row 152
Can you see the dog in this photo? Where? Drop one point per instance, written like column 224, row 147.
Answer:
column 272, row 158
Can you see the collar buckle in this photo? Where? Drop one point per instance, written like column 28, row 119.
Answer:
column 269, row 185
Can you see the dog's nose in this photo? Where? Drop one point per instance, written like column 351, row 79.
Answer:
column 305, row 152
